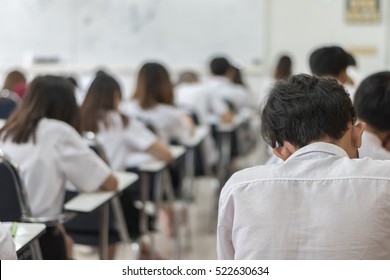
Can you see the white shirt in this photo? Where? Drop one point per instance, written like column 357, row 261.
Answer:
column 225, row 89
column 59, row 154
column 196, row 97
column 7, row 246
column 318, row 204
column 165, row 119
column 122, row 144
column 372, row 147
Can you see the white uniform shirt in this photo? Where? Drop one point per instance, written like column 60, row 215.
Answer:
column 195, row 97
column 7, row 246
column 372, row 147
column 318, row 204
column 122, row 144
column 59, row 154
column 225, row 89
column 165, row 119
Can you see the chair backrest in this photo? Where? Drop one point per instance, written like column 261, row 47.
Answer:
column 13, row 200
column 7, row 106
column 8, row 102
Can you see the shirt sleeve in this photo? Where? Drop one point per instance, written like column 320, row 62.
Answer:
column 80, row 165
column 217, row 105
column 7, row 246
column 138, row 136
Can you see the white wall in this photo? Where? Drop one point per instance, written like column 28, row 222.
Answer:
column 300, row 26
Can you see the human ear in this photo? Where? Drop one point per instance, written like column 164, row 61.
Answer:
column 356, row 134
column 285, row 151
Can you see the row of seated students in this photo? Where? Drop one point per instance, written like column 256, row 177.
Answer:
column 43, row 136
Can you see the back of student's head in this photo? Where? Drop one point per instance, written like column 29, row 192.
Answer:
column 219, row 66
column 154, row 86
column 306, row 108
column 328, row 61
column 188, row 77
column 103, row 95
column 16, row 82
column 47, row 97
column 372, row 100
column 283, row 68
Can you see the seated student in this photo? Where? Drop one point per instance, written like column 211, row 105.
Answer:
column 191, row 95
column 372, row 101
column 220, row 84
column 330, row 61
column 125, row 140
column 321, row 202
column 15, row 81
column 42, row 137
column 119, row 135
column 7, row 246
column 153, row 103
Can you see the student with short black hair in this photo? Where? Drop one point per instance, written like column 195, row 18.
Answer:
column 372, row 101
column 42, row 137
column 220, row 84
column 321, row 202
column 330, row 61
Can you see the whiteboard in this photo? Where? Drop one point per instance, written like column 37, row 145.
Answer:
column 128, row 32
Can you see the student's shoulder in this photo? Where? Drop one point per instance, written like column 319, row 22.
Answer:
column 250, row 175
column 56, row 129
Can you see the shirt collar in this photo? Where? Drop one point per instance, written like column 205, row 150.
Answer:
column 320, row 147
column 371, row 138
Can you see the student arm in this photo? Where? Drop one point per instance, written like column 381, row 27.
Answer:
column 161, row 151
column 110, row 184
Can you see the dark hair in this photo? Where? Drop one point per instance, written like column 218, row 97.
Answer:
column 351, row 60
column 99, row 100
column 328, row 61
column 153, row 86
column 372, row 100
column 47, row 97
column 219, row 66
column 283, row 68
column 305, row 108
column 236, row 76
column 188, row 77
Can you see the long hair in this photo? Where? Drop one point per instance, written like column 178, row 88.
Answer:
column 47, row 97
column 153, row 86
column 99, row 100
column 283, row 68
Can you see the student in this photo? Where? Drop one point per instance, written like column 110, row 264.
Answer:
column 15, row 81
column 220, row 83
column 321, row 202
column 153, row 103
column 119, row 135
column 331, row 61
column 42, row 137
column 193, row 96
column 7, row 246
column 372, row 101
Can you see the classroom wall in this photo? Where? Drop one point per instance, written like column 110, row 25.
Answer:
column 296, row 26
column 300, row 26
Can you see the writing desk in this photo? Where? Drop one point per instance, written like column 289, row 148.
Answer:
column 27, row 235
column 87, row 202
